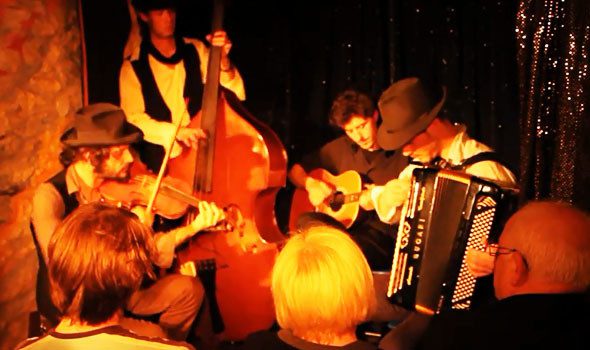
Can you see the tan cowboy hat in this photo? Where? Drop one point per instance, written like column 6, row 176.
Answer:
column 406, row 110
column 100, row 124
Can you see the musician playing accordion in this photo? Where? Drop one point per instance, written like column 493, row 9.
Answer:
column 411, row 123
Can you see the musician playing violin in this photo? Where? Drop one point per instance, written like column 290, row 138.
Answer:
column 97, row 151
column 161, row 82
column 354, row 113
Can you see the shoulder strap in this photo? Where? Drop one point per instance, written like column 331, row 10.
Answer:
column 482, row 157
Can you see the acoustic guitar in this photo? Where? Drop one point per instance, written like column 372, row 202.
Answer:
column 343, row 204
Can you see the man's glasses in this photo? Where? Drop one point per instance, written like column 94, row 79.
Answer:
column 495, row 250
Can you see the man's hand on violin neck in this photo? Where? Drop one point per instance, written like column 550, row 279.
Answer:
column 209, row 215
column 190, row 137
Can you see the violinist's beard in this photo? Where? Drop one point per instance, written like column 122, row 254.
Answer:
column 123, row 175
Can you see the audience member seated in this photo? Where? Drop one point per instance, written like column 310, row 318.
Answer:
column 323, row 289
column 98, row 257
column 541, row 275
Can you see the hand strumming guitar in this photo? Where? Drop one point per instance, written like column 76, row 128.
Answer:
column 320, row 191
column 317, row 190
column 365, row 200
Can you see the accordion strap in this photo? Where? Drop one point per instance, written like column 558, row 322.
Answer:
column 480, row 157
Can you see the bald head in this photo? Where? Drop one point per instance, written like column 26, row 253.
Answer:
column 552, row 242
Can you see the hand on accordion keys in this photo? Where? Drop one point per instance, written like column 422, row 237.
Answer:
column 394, row 195
column 479, row 263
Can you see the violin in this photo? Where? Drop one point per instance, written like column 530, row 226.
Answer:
column 172, row 200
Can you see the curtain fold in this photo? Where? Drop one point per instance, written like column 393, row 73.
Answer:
column 554, row 76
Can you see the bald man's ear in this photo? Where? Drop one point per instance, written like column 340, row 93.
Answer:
column 518, row 269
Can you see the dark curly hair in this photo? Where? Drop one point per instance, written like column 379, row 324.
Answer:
column 349, row 103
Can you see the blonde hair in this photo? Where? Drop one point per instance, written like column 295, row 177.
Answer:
column 98, row 256
column 322, row 285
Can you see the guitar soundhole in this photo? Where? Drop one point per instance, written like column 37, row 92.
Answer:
column 337, row 201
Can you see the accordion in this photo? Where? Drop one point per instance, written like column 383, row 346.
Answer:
column 446, row 213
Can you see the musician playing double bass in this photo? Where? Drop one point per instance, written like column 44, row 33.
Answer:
column 161, row 82
column 96, row 150
column 354, row 113
column 170, row 90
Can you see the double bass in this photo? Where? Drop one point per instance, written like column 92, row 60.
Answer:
column 241, row 164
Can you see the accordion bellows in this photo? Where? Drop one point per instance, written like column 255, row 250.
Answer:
column 446, row 213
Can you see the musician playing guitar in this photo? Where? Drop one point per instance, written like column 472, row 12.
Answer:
column 354, row 113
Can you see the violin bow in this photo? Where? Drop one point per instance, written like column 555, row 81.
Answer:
column 162, row 170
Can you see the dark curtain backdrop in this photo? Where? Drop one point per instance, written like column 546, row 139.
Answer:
column 554, row 59
column 296, row 56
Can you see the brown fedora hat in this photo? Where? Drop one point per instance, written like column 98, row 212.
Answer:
column 406, row 110
column 100, row 124
column 148, row 5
